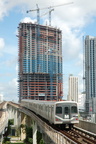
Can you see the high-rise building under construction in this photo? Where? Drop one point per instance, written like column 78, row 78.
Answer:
column 40, row 62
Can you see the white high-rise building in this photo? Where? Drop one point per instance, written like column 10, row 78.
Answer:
column 81, row 101
column 90, row 73
column 73, row 88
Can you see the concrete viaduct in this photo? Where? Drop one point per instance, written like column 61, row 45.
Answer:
column 26, row 117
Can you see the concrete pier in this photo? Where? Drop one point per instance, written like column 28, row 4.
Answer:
column 34, row 132
column 23, row 122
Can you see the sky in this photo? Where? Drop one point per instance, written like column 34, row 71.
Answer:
column 76, row 20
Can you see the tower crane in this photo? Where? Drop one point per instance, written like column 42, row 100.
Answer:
column 50, row 10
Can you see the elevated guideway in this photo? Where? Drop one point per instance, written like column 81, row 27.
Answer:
column 49, row 134
column 27, row 117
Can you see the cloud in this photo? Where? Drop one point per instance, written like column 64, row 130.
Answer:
column 9, row 55
column 80, row 61
column 78, row 13
column 3, row 10
column 72, row 12
column 28, row 20
column 2, row 43
column 9, row 90
column 73, row 15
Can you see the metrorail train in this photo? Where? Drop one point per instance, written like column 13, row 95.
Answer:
column 60, row 113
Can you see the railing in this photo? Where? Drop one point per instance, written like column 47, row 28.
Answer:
column 54, row 135
column 86, row 125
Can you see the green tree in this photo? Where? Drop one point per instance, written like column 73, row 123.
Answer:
column 28, row 130
column 11, row 122
column 6, row 134
column 29, row 133
column 39, row 137
column 42, row 142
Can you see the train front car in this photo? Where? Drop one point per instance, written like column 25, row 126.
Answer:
column 66, row 114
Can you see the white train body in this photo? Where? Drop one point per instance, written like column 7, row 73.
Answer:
column 56, row 112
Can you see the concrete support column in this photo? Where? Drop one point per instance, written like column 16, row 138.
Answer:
column 23, row 121
column 15, row 117
column 9, row 111
column 19, row 118
column 34, row 132
column 12, row 113
column 28, row 121
column 1, row 138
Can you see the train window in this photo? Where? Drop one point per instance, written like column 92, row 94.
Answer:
column 58, row 110
column 73, row 109
column 66, row 110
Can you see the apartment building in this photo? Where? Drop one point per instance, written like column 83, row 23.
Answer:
column 73, row 88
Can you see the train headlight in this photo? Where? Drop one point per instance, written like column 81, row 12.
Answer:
column 57, row 119
column 77, row 119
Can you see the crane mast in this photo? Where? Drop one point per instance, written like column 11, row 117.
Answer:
column 38, row 17
column 50, row 16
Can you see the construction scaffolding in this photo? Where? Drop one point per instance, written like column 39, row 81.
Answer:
column 39, row 71
column 37, row 86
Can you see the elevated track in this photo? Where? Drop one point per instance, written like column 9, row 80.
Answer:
column 56, row 135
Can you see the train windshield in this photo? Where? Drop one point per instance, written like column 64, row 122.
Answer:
column 73, row 109
column 66, row 110
column 58, row 110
